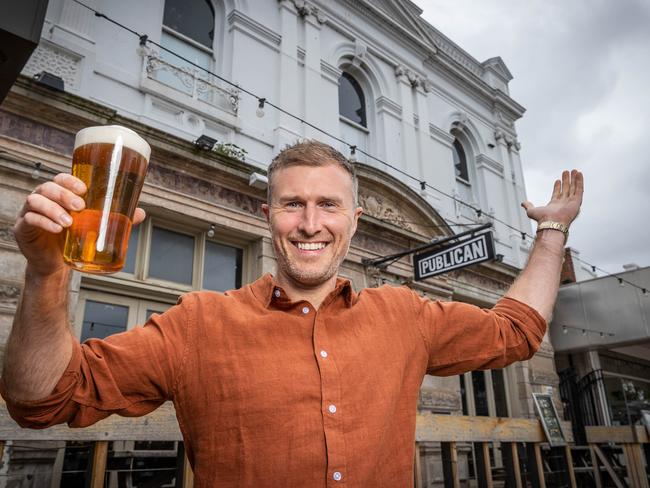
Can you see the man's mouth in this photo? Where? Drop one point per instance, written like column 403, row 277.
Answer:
column 310, row 246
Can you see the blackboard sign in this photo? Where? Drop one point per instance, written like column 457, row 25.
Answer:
column 550, row 420
column 454, row 256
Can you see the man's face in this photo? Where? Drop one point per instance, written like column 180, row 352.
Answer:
column 312, row 218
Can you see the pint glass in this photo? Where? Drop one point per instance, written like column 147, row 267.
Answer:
column 112, row 162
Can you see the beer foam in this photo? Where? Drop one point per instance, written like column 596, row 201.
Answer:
column 108, row 134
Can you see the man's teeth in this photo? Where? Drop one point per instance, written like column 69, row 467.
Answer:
column 311, row 246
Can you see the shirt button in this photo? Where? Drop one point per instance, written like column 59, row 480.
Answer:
column 323, row 354
column 332, row 408
column 305, row 310
column 276, row 293
column 337, row 476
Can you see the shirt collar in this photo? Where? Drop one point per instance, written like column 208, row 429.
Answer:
column 267, row 291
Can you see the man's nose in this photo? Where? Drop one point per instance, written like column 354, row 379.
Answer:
column 310, row 223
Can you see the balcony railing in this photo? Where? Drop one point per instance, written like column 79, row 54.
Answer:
column 613, row 456
column 159, row 75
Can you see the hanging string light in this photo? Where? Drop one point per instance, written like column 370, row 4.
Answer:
column 260, row 107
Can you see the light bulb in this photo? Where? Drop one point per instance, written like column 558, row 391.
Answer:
column 565, row 330
column 260, row 108
column 210, row 232
column 36, row 173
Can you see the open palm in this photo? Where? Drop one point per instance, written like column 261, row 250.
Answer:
column 565, row 201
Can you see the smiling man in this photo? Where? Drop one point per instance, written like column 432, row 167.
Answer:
column 294, row 380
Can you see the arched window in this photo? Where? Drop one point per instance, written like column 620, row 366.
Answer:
column 193, row 19
column 460, row 161
column 352, row 103
column 189, row 30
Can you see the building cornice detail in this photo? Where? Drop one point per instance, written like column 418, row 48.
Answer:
column 242, row 22
column 440, row 135
column 385, row 104
column 329, row 71
column 492, row 97
column 483, row 161
column 375, row 15
column 308, row 10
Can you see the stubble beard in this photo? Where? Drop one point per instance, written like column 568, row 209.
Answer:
column 303, row 274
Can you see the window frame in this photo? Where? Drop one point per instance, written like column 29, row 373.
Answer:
column 137, row 307
column 186, row 38
column 460, row 179
column 360, row 92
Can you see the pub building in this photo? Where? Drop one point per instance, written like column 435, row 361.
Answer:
column 372, row 73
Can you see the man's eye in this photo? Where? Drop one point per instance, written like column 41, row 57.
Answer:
column 328, row 204
column 293, row 205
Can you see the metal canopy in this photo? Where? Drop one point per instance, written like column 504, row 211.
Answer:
column 600, row 313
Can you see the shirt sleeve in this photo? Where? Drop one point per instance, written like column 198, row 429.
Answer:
column 131, row 374
column 461, row 337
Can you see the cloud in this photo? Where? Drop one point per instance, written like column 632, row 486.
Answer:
column 580, row 68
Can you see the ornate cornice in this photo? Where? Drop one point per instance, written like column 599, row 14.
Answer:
column 385, row 104
column 483, row 161
column 440, row 135
column 329, row 71
column 243, row 23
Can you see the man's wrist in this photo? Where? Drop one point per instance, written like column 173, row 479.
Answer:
column 546, row 225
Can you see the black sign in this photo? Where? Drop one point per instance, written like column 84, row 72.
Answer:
column 453, row 256
column 550, row 420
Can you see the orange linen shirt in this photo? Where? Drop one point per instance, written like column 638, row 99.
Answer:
column 271, row 392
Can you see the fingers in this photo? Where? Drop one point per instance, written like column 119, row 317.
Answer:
column 138, row 216
column 51, row 216
column 58, row 194
column 577, row 183
column 566, row 184
column 70, row 182
column 557, row 190
column 48, row 206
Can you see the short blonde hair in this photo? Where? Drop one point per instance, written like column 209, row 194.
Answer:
column 310, row 152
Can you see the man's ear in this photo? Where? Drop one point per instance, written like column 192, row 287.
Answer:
column 266, row 212
column 357, row 213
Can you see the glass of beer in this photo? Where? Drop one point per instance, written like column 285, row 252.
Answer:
column 112, row 162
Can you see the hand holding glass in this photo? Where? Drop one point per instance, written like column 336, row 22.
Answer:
column 112, row 161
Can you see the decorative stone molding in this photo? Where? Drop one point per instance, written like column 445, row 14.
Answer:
column 407, row 75
column 56, row 60
column 381, row 208
column 196, row 85
column 387, row 105
column 329, row 71
column 483, row 161
column 243, row 23
column 440, row 135
column 461, row 119
column 306, row 9
column 360, row 53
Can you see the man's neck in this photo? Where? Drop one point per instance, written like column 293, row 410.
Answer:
column 297, row 291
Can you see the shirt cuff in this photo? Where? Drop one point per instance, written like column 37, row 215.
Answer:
column 48, row 410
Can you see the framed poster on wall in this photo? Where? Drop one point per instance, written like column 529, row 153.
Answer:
column 550, row 419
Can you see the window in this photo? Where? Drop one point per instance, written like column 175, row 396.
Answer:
column 193, row 19
column 352, row 104
column 460, row 162
column 463, row 179
column 198, row 261
column 188, row 29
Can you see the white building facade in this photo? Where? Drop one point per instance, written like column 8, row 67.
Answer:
column 425, row 107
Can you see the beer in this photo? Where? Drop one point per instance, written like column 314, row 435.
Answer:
column 112, row 162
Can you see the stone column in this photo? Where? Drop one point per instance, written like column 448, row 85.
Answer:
column 313, row 86
column 288, row 129
column 406, row 79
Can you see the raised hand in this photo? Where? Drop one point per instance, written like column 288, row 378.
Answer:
column 565, row 202
column 39, row 227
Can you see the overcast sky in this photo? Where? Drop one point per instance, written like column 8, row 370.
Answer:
column 581, row 69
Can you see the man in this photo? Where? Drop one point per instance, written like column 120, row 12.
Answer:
column 294, row 380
